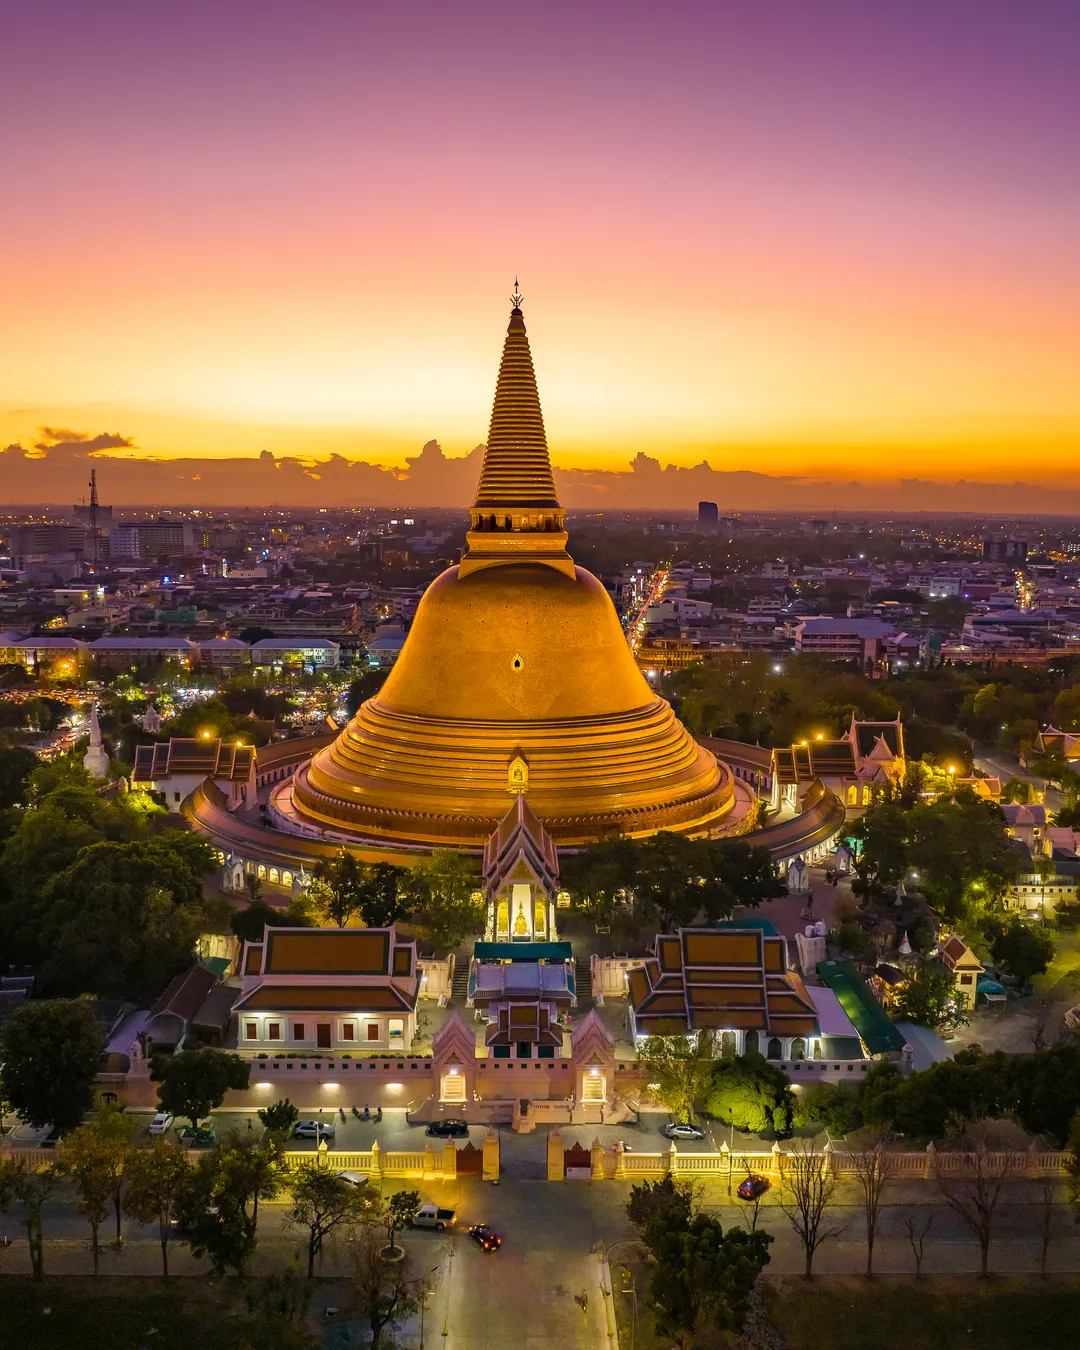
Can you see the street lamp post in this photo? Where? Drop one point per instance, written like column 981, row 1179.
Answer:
column 423, row 1305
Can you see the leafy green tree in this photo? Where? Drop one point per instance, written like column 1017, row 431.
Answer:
column 249, row 924
column 928, row 998
column 381, row 902
column 122, row 919
column 659, row 1203
column 831, row 1106
column 600, row 877
column 399, row 1212
column 278, row 1120
column 114, row 1133
column 86, row 1159
column 443, row 897
column 1024, row 949
column 16, row 765
column 194, row 1082
column 158, row 1178
column 751, row 1094
column 340, row 888
column 678, row 1070
column 212, row 1219
column 363, row 687
column 251, row 1171
column 323, row 1203
column 703, row 1275
column 31, row 1188
column 50, row 1053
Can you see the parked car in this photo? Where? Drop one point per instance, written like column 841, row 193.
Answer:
column 752, row 1187
column 678, row 1129
column 313, row 1129
column 450, row 1128
column 353, row 1179
column 204, row 1137
column 486, row 1237
column 432, row 1216
column 161, row 1124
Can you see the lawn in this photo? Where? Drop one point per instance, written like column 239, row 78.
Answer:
column 115, row 1313
column 849, row 1313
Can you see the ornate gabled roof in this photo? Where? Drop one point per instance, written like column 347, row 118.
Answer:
column 193, row 755
column 864, row 737
column 722, row 979
column 533, row 1022
column 521, row 837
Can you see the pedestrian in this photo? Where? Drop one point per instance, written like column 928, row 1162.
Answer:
column 249, row 1123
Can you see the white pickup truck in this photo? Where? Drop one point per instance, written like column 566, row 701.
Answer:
column 431, row 1216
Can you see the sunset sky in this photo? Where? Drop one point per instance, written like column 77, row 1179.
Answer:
column 839, row 239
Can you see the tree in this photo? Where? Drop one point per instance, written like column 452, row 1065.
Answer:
column 400, row 1210
column 917, row 1232
column 442, row 896
column 212, row 1216
column 115, row 1135
column 86, row 1158
column 832, row 1106
column 973, row 1178
column 875, row 1166
column 678, row 1070
column 340, row 888
column 279, row 1119
column 50, row 1053
column 250, row 1171
column 31, row 1188
column 381, row 904
column 194, row 1082
column 363, row 687
column 808, row 1189
column 656, row 1202
column 702, row 1273
column 1044, row 1216
column 322, row 1203
column 751, row 1094
column 1025, row 950
column 382, row 1291
column 157, row 1179
column 1072, row 1165
column 121, row 921
column 250, row 924
column 928, row 997
column 16, row 765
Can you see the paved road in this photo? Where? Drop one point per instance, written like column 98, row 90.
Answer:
column 1005, row 767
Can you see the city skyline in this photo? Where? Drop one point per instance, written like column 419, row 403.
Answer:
column 841, row 249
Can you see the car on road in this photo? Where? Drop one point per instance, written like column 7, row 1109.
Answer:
column 678, row 1129
column 434, row 1216
column 313, row 1129
column 450, row 1128
column 485, row 1237
column 354, row 1179
column 204, row 1137
column 161, row 1124
column 752, row 1187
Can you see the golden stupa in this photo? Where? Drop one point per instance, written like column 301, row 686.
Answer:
column 515, row 676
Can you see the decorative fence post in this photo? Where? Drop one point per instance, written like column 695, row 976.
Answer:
column 673, row 1160
column 725, row 1154
column 827, row 1159
column 556, row 1157
column 620, row 1161
column 449, row 1161
column 491, row 1154
column 429, row 1161
column 777, row 1159
column 376, row 1159
column 596, row 1160
column 930, row 1153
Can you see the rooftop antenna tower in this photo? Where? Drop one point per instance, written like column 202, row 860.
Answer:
column 93, row 520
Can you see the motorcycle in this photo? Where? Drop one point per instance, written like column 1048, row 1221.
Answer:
column 378, row 1114
column 356, row 1113
column 366, row 1114
column 342, row 1110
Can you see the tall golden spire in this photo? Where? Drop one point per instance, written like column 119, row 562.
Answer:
column 516, row 516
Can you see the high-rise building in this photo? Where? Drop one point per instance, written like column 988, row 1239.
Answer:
column 708, row 516
column 1005, row 550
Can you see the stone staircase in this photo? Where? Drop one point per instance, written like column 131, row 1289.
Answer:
column 583, row 984
column 459, row 989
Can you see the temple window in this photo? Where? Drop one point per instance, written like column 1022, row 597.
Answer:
column 373, row 1031
column 348, row 1031
column 298, row 1031
column 273, row 1031
column 251, row 1031
column 775, row 1050
column 273, row 874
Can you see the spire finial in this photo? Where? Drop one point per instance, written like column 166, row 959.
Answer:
column 516, row 298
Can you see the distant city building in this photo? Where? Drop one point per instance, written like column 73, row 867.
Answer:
column 842, row 639
column 708, row 517
column 150, row 539
column 1005, row 550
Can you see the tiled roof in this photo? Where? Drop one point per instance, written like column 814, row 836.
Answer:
column 184, row 996
column 325, row 998
column 193, row 755
column 327, row 951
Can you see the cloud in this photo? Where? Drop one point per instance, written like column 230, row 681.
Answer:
column 61, row 441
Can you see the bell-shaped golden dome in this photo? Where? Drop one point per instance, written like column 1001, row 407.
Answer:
column 515, row 676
